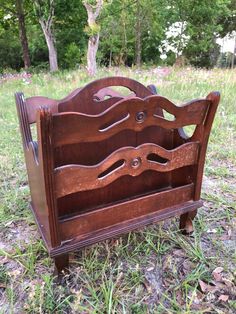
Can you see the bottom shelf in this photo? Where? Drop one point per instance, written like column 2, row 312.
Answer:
column 87, row 223
column 124, row 227
column 112, row 221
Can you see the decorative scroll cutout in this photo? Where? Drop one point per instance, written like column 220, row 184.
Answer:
column 79, row 127
column 189, row 130
column 156, row 158
column 113, row 123
column 74, row 178
column 168, row 116
column 110, row 92
column 117, row 165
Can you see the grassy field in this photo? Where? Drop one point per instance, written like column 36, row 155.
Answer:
column 153, row 270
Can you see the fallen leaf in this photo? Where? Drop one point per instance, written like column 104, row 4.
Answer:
column 8, row 223
column 228, row 282
column 14, row 273
column 217, row 276
column 223, row 297
column 205, row 287
column 197, row 297
column 217, row 273
column 119, row 277
column 147, row 286
column 218, row 270
column 210, row 297
column 167, row 262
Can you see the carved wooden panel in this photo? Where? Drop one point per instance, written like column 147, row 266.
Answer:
column 125, row 161
column 134, row 113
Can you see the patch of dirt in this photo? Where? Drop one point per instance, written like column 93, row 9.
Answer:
column 17, row 234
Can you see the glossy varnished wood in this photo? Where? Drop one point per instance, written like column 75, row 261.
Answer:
column 106, row 163
column 73, row 178
column 124, row 114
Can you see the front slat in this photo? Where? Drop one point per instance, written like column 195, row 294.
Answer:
column 108, row 216
column 76, row 178
column 71, row 127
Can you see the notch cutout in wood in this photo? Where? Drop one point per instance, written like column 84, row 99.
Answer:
column 156, row 158
column 117, row 165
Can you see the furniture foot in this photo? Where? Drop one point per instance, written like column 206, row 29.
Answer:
column 61, row 263
column 186, row 222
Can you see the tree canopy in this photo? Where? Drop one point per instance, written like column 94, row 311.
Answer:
column 131, row 32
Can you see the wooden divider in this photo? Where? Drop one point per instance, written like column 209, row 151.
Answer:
column 124, row 161
column 133, row 114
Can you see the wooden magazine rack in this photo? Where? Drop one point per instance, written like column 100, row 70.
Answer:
column 105, row 164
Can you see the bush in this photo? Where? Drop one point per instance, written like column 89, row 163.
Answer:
column 73, row 56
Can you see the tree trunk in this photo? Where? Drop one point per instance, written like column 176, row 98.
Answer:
column 138, row 42
column 91, row 54
column 22, row 33
column 233, row 54
column 93, row 13
column 51, row 46
column 122, row 57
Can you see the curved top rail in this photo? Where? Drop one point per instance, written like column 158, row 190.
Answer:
column 84, row 101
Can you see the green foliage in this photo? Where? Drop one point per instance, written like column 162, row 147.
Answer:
column 202, row 19
column 117, row 25
column 93, row 29
column 72, row 55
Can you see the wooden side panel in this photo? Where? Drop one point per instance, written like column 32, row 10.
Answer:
column 34, row 171
column 33, row 104
column 201, row 134
column 46, row 162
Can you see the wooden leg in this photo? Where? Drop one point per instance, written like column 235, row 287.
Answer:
column 61, row 263
column 186, row 222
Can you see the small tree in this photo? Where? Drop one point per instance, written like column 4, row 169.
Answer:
column 22, row 32
column 45, row 13
column 92, row 30
column 15, row 8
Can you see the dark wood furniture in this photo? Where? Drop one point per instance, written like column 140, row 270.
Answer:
column 105, row 164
